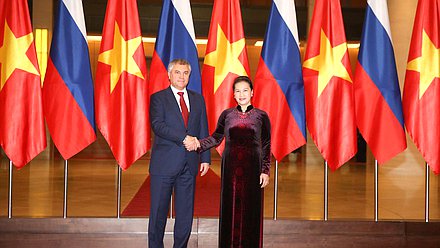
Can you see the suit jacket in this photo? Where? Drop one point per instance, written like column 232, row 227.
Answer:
column 168, row 155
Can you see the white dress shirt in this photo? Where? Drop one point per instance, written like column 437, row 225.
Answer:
column 177, row 96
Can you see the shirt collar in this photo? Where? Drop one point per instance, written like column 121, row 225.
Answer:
column 247, row 110
column 176, row 90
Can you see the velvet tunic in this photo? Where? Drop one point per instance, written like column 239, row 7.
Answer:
column 246, row 155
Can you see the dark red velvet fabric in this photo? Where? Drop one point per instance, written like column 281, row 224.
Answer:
column 246, row 155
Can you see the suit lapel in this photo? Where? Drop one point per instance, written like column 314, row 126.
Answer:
column 193, row 106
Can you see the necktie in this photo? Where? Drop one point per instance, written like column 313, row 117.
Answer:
column 184, row 109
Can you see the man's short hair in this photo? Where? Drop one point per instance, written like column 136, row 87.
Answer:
column 178, row 62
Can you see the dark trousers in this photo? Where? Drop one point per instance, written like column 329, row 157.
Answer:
column 161, row 190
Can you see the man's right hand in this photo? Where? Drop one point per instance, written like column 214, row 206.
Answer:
column 191, row 143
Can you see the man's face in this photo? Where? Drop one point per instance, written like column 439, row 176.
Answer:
column 179, row 76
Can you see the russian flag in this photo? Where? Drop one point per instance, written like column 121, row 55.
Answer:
column 176, row 39
column 279, row 86
column 377, row 94
column 68, row 87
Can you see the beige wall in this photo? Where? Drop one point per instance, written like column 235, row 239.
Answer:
column 401, row 17
column 394, row 191
column 42, row 18
column 410, row 163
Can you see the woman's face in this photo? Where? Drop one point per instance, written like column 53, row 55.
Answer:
column 243, row 93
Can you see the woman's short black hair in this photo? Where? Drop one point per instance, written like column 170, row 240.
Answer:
column 242, row 79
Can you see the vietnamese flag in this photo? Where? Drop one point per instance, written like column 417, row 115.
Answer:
column 328, row 86
column 120, row 87
column 22, row 131
column 421, row 93
column 225, row 58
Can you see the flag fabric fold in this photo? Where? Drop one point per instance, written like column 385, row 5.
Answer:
column 279, row 86
column 120, row 87
column 22, row 130
column 225, row 58
column 421, row 93
column 68, row 86
column 328, row 86
column 175, row 40
column 379, row 113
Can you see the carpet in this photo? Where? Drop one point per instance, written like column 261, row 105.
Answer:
column 207, row 198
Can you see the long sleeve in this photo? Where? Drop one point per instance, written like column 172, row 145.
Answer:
column 205, row 157
column 216, row 138
column 265, row 144
column 159, row 125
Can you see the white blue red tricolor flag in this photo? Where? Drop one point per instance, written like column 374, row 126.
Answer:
column 378, row 102
column 68, row 87
column 279, row 87
column 175, row 40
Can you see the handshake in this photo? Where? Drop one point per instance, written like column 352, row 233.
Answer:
column 191, row 143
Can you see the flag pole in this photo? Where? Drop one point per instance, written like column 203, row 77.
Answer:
column 325, row 190
column 171, row 206
column 65, row 188
column 275, row 193
column 376, row 192
column 118, row 210
column 426, row 192
column 10, row 191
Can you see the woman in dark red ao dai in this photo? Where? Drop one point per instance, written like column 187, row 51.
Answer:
column 245, row 168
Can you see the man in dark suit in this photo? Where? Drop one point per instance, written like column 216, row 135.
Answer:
column 178, row 117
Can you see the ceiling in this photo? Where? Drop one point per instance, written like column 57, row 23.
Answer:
column 254, row 13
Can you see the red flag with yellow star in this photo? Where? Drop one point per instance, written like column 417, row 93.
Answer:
column 121, row 89
column 22, row 131
column 421, row 93
column 225, row 58
column 328, row 86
